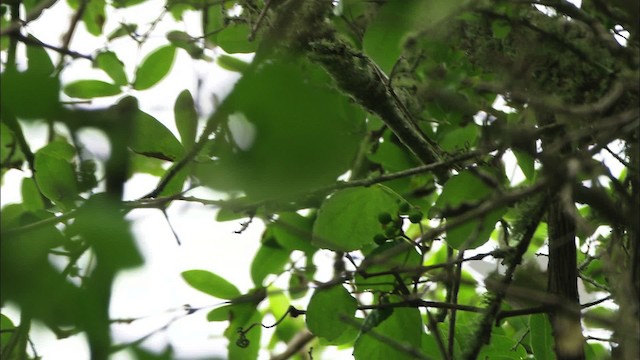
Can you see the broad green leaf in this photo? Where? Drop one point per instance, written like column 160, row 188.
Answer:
column 293, row 232
column 31, row 198
column 211, row 284
column 459, row 138
column 387, row 283
column 102, row 224
column 7, row 330
column 222, row 313
column 526, row 164
column 349, row 218
column 541, row 337
column 329, row 311
column 55, row 175
column 108, row 62
column 278, row 306
column 10, row 154
column 186, row 118
column 151, row 138
column 503, row 348
column 94, row 16
column 142, row 354
column 375, row 318
column 212, row 22
column 26, row 273
column 403, row 327
column 232, row 63
column 243, row 317
column 59, row 149
column 18, row 88
column 122, row 30
column 467, row 188
column 596, row 351
column 384, row 37
column 284, row 131
column 234, row 39
column 393, row 156
column 270, row 259
column 184, row 41
column 126, row 3
column 87, row 89
column 154, row 67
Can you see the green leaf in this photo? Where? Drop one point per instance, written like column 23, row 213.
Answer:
column 235, row 39
column 526, row 164
column 387, row 283
column 243, row 317
column 154, row 67
column 270, row 259
column 349, row 218
column 403, row 326
column 31, row 198
column 108, row 62
column 151, row 138
column 55, row 175
column 186, row 118
column 8, row 330
column 396, row 19
column 184, row 41
column 122, row 30
column 94, row 17
column 211, row 284
column 327, row 311
column 212, row 22
column 18, row 88
column 284, row 130
column 232, row 63
column 467, row 189
column 102, row 223
column 503, row 348
column 293, row 231
column 10, row 154
column 222, row 313
column 541, row 337
column 87, row 89
column 500, row 29
column 459, row 138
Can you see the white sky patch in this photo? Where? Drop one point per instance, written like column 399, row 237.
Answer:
column 242, row 131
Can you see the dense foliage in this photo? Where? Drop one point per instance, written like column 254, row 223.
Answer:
column 400, row 100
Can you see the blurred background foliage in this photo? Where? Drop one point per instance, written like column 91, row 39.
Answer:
column 410, row 138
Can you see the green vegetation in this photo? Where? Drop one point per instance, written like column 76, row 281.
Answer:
column 397, row 98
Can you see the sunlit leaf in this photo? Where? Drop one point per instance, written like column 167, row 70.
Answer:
column 293, row 231
column 403, row 327
column 541, row 337
column 186, row 118
column 55, row 175
column 154, row 67
column 466, row 189
column 31, row 197
column 285, row 131
column 235, row 39
column 349, row 218
column 232, row 63
column 329, row 311
column 270, row 259
column 151, row 138
column 108, row 62
column 386, row 283
column 210, row 283
column 87, row 89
